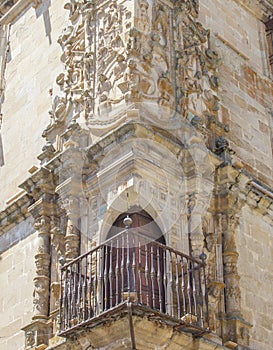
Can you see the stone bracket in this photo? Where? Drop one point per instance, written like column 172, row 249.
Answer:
column 236, row 330
column 37, row 335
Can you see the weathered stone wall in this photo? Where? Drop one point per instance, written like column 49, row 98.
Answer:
column 246, row 93
column 33, row 64
column 255, row 247
column 16, row 279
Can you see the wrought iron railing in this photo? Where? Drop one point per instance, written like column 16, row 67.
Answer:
column 130, row 268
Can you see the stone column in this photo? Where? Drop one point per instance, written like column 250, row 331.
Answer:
column 40, row 186
column 195, row 226
column 57, row 253
column 37, row 333
column 235, row 328
column 230, row 259
column 72, row 235
column 42, row 262
column 70, row 191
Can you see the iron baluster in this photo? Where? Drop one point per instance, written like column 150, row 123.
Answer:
column 147, row 274
column 171, row 284
column 165, row 284
column 111, row 275
column 140, row 271
column 183, row 286
column 122, row 267
column 74, row 293
column 200, row 297
column 189, row 290
column 105, row 277
column 117, row 273
column 90, row 286
column 95, row 285
column 194, row 292
column 79, row 283
column 128, row 266
column 134, row 267
column 100, row 281
column 84, row 290
column 177, row 287
column 159, row 279
column 152, row 276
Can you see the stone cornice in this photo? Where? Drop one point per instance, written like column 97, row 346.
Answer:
column 250, row 191
column 260, row 198
column 14, row 213
column 17, row 9
column 267, row 8
column 260, row 9
column 133, row 130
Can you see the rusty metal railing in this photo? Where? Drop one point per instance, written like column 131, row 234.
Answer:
column 130, row 268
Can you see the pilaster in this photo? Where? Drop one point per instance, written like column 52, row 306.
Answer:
column 42, row 262
column 40, row 186
column 70, row 191
column 229, row 203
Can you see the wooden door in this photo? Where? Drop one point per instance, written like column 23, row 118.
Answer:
column 134, row 263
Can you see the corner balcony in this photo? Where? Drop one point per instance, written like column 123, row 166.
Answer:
column 132, row 275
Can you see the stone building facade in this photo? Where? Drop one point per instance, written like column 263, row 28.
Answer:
column 136, row 160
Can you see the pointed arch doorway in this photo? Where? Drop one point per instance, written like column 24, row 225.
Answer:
column 135, row 263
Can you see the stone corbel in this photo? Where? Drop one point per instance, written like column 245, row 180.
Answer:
column 37, row 3
column 48, row 152
column 236, row 331
column 36, row 335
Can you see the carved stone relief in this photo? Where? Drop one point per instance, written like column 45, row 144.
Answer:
column 196, row 64
column 116, row 55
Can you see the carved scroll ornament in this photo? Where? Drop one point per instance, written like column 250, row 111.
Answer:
column 117, row 55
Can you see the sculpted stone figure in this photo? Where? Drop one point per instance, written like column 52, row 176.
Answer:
column 130, row 59
column 104, row 88
column 30, row 339
column 40, row 296
column 144, row 21
column 60, row 109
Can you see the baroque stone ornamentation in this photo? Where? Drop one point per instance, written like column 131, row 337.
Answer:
column 235, row 327
column 117, row 56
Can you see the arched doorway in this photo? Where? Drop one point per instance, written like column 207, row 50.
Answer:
column 134, row 266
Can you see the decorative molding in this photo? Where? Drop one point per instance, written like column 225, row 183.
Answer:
column 15, row 11
column 260, row 9
column 233, row 47
column 267, row 8
column 133, row 60
column 15, row 212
